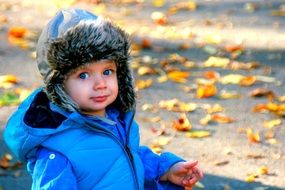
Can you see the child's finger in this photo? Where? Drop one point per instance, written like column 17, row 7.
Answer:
column 190, row 164
column 198, row 172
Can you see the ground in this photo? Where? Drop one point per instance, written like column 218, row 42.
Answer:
column 228, row 157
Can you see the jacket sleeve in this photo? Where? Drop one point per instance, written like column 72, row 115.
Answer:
column 156, row 165
column 52, row 171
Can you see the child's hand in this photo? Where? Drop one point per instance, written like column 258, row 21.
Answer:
column 184, row 173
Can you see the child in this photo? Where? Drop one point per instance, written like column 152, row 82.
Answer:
column 78, row 131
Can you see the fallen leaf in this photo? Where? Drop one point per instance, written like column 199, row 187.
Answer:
column 144, row 70
column 211, row 75
column 247, row 81
column 213, row 108
column 221, row 163
column 221, row 118
column 260, row 92
column 142, row 84
column 231, row 79
column 7, row 81
column 272, row 123
column 182, row 124
column 252, row 137
column 17, row 32
column 229, row 95
column 159, row 18
column 177, row 106
column 206, row 91
column 197, row 134
column 217, row 62
column 263, row 170
column 178, row 76
column 251, row 178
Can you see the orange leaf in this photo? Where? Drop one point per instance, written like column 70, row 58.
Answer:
column 212, row 75
column 220, row 118
column 206, row 91
column 252, row 137
column 142, row 84
column 17, row 32
column 182, row 124
column 247, row 81
column 178, row 76
column 159, row 18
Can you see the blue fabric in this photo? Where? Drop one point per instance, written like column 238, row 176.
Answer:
column 87, row 153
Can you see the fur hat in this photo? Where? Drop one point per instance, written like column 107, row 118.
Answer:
column 75, row 37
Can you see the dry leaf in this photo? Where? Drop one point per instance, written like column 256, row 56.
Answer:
column 272, row 123
column 177, row 106
column 251, row 178
column 211, row 75
column 221, row 163
column 247, row 81
column 231, row 79
column 158, row 3
column 178, row 76
column 252, row 137
column 221, row 118
column 213, row 108
column 142, row 84
column 8, row 81
column 206, row 91
column 159, row 18
column 260, row 92
column 229, row 95
column 217, row 62
column 182, row 124
column 17, row 32
column 144, row 70
column 263, row 170
column 198, row 134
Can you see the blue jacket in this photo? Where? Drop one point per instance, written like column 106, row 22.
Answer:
column 72, row 151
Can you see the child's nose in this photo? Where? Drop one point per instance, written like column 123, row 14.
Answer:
column 99, row 82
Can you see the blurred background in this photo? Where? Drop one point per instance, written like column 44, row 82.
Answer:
column 209, row 77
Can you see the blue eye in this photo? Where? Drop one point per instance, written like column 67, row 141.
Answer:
column 83, row 75
column 107, row 72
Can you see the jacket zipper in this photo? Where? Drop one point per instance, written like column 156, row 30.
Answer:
column 126, row 148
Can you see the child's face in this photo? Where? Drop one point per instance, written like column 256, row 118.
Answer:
column 93, row 87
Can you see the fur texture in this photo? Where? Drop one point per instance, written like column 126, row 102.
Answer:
column 88, row 40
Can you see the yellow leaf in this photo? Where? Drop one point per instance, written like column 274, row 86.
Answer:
column 247, row 81
column 198, row 134
column 263, row 170
column 145, row 70
column 205, row 120
column 177, row 106
column 182, row 124
column 229, row 95
column 272, row 123
column 252, row 137
column 178, row 76
column 213, row 108
column 250, row 178
column 231, row 79
column 221, row 118
column 162, row 79
column 142, row 84
column 158, row 3
column 217, row 62
column 206, row 91
column 159, row 18
column 8, row 81
column 213, row 39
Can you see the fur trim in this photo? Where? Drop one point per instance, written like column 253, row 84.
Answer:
column 87, row 41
